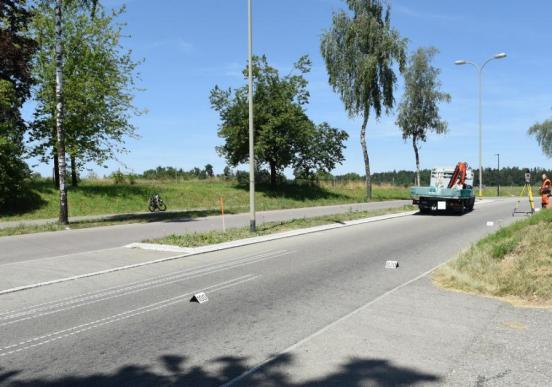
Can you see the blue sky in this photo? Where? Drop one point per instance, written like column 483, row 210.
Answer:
column 191, row 46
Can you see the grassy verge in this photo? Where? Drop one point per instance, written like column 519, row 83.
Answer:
column 514, row 264
column 110, row 221
column 98, row 197
column 212, row 237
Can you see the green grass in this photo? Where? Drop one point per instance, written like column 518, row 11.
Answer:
column 103, row 197
column 213, row 237
column 515, row 263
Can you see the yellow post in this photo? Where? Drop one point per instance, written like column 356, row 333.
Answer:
column 531, row 201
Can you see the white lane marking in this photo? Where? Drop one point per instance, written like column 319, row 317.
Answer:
column 78, row 304
column 137, row 283
column 327, row 327
column 209, row 249
column 122, row 316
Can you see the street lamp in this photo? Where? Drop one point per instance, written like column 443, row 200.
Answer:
column 480, row 72
column 498, row 174
column 252, row 226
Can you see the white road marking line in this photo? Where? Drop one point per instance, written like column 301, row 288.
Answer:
column 131, row 285
column 327, row 327
column 122, row 316
column 128, row 292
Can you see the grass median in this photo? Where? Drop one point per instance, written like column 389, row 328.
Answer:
column 213, row 237
column 514, row 264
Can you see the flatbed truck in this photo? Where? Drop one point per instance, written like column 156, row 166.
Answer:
column 450, row 189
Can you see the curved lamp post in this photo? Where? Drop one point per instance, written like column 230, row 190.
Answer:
column 479, row 69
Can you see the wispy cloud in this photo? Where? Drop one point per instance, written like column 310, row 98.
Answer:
column 180, row 44
column 423, row 15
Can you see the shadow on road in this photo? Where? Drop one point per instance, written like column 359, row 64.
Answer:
column 172, row 371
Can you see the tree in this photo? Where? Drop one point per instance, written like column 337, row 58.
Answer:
column 16, row 50
column 419, row 108
column 98, row 87
column 284, row 134
column 543, row 132
column 321, row 153
column 59, row 110
column 209, row 170
column 360, row 50
column 281, row 123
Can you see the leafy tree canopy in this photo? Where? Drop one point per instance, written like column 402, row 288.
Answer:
column 543, row 133
column 419, row 108
column 99, row 83
column 16, row 49
column 282, row 128
column 360, row 51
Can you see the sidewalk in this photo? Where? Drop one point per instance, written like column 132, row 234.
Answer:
column 420, row 334
column 105, row 217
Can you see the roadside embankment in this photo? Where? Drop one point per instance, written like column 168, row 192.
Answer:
column 514, row 264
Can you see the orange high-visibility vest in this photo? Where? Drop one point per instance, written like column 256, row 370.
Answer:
column 545, row 191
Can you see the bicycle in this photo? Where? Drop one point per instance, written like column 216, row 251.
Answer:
column 156, row 203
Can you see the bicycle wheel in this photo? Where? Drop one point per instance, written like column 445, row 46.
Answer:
column 162, row 206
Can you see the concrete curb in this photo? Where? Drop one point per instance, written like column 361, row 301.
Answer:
column 264, row 238
column 186, row 252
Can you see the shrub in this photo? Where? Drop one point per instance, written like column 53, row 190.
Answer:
column 118, row 177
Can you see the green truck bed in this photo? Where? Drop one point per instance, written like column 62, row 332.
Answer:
column 444, row 193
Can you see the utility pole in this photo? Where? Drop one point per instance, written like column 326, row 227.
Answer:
column 498, row 178
column 252, row 225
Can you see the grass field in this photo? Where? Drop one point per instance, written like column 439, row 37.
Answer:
column 515, row 264
column 99, row 197
column 104, row 197
column 212, row 237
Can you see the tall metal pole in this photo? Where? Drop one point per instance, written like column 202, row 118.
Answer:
column 480, row 73
column 480, row 132
column 252, row 225
column 498, row 175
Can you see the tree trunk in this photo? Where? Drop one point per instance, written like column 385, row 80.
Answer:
column 273, row 174
column 366, row 158
column 60, row 135
column 56, row 171
column 74, row 172
column 416, row 152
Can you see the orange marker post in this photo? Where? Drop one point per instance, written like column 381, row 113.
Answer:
column 222, row 213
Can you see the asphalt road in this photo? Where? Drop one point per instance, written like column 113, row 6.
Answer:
column 51, row 244
column 138, row 328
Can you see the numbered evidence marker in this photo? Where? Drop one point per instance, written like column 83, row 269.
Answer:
column 199, row 298
column 392, row 264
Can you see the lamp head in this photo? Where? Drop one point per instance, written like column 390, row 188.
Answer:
column 460, row 62
column 500, row 55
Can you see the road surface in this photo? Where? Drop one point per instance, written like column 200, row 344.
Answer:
column 51, row 244
column 281, row 302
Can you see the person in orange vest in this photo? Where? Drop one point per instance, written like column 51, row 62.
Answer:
column 545, row 191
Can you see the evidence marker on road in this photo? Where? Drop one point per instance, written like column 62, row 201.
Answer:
column 490, row 223
column 392, row 264
column 200, row 298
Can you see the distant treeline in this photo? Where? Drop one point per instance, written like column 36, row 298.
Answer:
column 491, row 176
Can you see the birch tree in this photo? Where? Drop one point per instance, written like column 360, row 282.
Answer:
column 360, row 50
column 419, row 107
